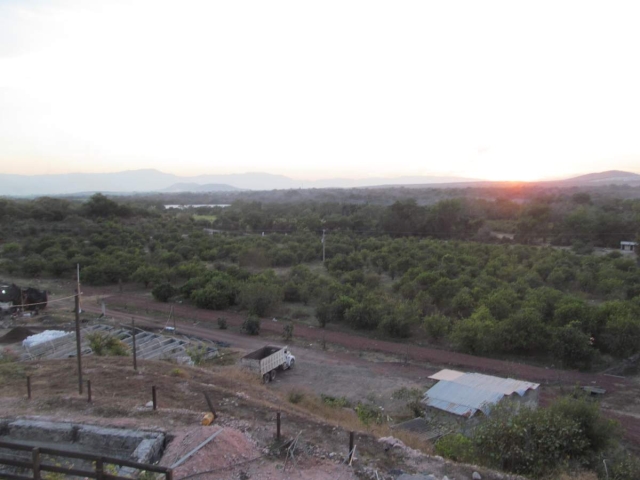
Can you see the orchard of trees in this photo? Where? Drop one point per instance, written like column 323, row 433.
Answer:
column 399, row 270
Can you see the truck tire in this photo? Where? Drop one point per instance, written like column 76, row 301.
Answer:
column 266, row 378
column 273, row 375
column 292, row 363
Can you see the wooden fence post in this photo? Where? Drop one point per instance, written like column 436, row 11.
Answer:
column 154, row 397
column 35, row 459
column 278, row 426
column 29, row 387
column 210, row 403
column 99, row 469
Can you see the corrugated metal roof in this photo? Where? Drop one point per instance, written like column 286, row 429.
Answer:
column 446, row 374
column 506, row 386
column 461, row 399
column 467, row 393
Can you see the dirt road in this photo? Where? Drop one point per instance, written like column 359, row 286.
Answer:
column 361, row 368
column 354, row 342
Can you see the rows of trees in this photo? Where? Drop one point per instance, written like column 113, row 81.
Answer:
column 482, row 298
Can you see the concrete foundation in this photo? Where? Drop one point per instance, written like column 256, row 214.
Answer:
column 135, row 445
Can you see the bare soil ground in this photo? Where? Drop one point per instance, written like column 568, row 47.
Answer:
column 246, row 411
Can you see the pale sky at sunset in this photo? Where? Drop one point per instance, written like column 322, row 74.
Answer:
column 497, row 90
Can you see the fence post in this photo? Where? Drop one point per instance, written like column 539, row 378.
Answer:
column 29, row 387
column 35, row 460
column 278, row 426
column 99, row 469
column 169, row 474
column 154, row 397
column 210, row 403
column 89, row 391
column 135, row 350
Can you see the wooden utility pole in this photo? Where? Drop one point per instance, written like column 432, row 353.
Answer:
column 135, row 350
column 78, row 342
column 78, row 286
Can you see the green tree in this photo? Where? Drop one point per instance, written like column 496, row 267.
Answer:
column 573, row 347
column 523, row 332
column 476, row 334
column 436, row 326
column 163, row 292
column 147, row 275
column 33, row 265
column 259, row 298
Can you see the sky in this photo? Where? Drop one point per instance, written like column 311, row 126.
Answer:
column 497, row 90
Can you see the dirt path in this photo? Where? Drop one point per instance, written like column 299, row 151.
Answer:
column 358, row 343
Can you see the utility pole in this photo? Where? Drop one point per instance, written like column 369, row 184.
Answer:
column 78, row 287
column 78, row 342
column 323, row 249
column 135, row 350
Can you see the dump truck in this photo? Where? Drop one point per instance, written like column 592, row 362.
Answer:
column 267, row 360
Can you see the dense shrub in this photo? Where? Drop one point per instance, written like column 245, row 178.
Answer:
column 163, row 292
column 251, row 326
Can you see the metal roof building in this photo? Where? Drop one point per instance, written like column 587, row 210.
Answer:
column 465, row 394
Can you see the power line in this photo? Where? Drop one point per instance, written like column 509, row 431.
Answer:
column 47, row 302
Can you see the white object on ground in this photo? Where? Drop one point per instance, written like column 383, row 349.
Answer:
column 42, row 337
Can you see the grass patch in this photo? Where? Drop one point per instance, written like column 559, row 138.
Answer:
column 11, row 371
column 336, row 402
column 178, row 372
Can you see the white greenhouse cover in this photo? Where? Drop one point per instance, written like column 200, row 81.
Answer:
column 42, row 337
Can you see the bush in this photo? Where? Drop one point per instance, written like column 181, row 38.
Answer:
column 287, row 331
column 222, row 323
column 368, row 414
column 197, row 354
column 163, row 292
column 104, row 344
column 456, row 447
column 251, row 326
column 338, row 402
column 296, row 396
column 530, row 442
column 599, row 431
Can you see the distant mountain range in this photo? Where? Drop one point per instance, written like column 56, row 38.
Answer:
column 611, row 177
column 142, row 181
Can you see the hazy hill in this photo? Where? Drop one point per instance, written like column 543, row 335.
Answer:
column 142, row 181
column 137, row 181
column 611, row 177
column 196, row 187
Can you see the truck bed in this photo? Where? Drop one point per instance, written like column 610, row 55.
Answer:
column 264, row 352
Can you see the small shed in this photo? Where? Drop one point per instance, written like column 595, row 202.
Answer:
column 464, row 396
column 628, row 246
